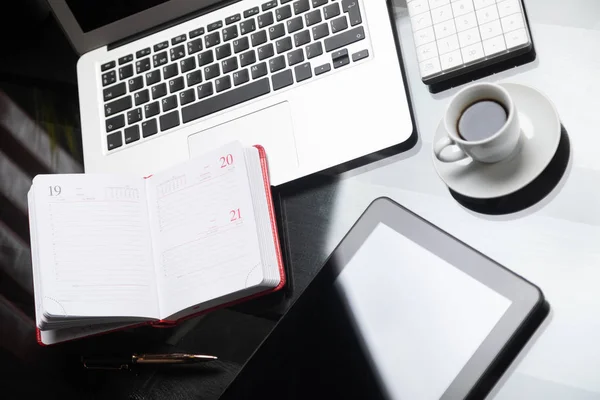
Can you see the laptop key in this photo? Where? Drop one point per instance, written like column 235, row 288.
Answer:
column 344, row 39
column 241, row 44
column 241, row 77
column 115, row 123
column 142, row 65
column 212, row 39
column 132, row 134
column 233, row 19
column 153, row 77
column 277, row 64
column 269, row 4
column 170, row 70
column 125, row 72
column 136, row 83
column 107, row 66
column 223, row 51
column 114, row 140
column 178, row 39
column 194, row 46
column 223, row 83
column 194, row 78
column 141, row 97
column 251, row 12
column 265, row 52
column 320, row 31
column 152, row 109
column 353, row 9
column 283, row 45
column 302, row 38
column 160, row 59
column 159, row 90
column 134, row 116
column 340, row 58
column 295, row 57
column 360, row 55
column 301, row 6
column 295, row 24
column 176, row 84
column 265, row 19
column 115, row 107
column 205, row 58
column 258, row 38
column 177, row 52
column 247, row 26
column 186, row 97
column 277, row 31
column 126, row 59
column 229, row 65
column 204, row 90
column 282, row 79
column 161, row 46
column 339, row 24
column 169, row 103
column 196, row 33
column 211, row 71
column 259, row 70
column 314, row 50
column 225, row 100
column 230, row 33
column 149, row 128
column 313, row 17
column 214, row 26
column 109, row 78
column 332, row 10
column 247, row 58
column 188, row 64
column 318, row 3
column 303, row 72
column 169, row 121
column 321, row 69
column 114, row 91
column 283, row 13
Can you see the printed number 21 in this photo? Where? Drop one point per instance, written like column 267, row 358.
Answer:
column 226, row 161
column 235, row 215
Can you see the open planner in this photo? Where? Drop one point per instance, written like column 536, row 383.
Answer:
column 113, row 251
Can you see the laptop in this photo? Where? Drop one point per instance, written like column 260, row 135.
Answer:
column 317, row 83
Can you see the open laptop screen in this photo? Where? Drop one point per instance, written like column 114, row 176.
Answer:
column 93, row 14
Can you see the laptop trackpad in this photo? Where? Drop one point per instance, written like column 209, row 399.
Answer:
column 270, row 127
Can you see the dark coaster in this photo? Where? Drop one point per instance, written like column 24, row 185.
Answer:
column 529, row 195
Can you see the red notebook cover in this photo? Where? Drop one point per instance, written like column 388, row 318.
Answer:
column 169, row 324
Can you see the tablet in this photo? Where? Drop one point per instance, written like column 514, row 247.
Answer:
column 456, row 311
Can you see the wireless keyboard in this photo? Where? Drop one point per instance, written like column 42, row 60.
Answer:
column 456, row 37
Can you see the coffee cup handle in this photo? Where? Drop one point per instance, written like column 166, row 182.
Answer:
column 448, row 157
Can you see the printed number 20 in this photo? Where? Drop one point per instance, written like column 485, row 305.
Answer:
column 235, row 215
column 226, row 161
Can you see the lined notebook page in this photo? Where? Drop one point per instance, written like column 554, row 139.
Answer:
column 94, row 246
column 204, row 234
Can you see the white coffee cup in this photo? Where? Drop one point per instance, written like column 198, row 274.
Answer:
column 490, row 150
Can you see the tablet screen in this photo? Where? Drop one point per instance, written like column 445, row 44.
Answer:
column 420, row 318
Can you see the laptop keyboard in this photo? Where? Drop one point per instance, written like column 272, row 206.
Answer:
column 254, row 53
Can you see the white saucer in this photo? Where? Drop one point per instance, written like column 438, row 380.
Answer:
column 540, row 126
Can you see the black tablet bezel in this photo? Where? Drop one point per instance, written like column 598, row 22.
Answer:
column 526, row 298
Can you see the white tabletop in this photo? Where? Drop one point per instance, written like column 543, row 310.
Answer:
column 556, row 243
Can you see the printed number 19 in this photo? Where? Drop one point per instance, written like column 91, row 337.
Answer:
column 54, row 190
column 235, row 215
column 226, row 161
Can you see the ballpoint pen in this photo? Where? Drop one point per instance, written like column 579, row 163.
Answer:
column 128, row 362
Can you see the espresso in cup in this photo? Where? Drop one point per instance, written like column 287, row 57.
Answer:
column 481, row 120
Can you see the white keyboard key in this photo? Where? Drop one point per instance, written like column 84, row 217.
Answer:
column 430, row 67
column 417, row 7
column 448, row 44
column 424, row 36
column 465, row 22
column 451, row 60
column 420, row 21
column 512, row 22
column 516, row 38
column 441, row 14
column 508, row 7
column 479, row 4
column 490, row 30
column 462, row 7
column 469, row 37
column 472, row 52
column 494, row 45
column 444, row 29
column 427, row 51
column 487, row 14
column 437, row 3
